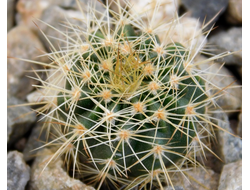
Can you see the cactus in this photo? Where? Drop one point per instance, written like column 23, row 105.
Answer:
column 128, row 109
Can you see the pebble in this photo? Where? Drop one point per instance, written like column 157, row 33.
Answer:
column 199, row 180
column 10, row 14
column 23, row 44
column 228, row 41
column 32, row 14
column 181, row 31
column 187, row 31
column 53, row 176
column 72, row 4
column 166, row 10
column 203, row 9
column 222, row 77
column 228, row 147
column 175, row 188
column 30, row 11
column 56, row 16
column 36, row 139
column 66, row 4
column 20, row 144
column 239, row 126
column 18, row 172
column 234, row 12
column 19, row 120
column 231, row 176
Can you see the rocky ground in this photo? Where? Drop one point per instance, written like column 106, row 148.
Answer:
column 23, row 133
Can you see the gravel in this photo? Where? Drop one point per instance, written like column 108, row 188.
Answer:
column 26, row 41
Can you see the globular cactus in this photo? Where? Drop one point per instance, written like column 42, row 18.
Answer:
column 126, row 107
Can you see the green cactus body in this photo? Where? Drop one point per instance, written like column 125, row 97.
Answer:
column 124, row 106
column 131, row 99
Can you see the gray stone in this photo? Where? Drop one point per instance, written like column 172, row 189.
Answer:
column 23, row 44
column 204, row 9
column 175, row 188
column 18, row 172
column 228, row 41
column 222, row 78
column 66, row 4
column 199, row 179
column 55, row 27
column 10, row 14
column 59, row 22
column 231, row 176
column 54, row 13
column 36, row 139
column 229, row 146
column 19, row 120
column 53, row 176
column 72, row 4
column 239, row 126
column 29, row 11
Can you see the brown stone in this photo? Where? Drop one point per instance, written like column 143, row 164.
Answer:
column 23, row 44
column 53, row 175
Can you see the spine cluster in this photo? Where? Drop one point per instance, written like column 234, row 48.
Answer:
column 124, row 106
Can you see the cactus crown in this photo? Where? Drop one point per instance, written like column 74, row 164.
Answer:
column 126, row 105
